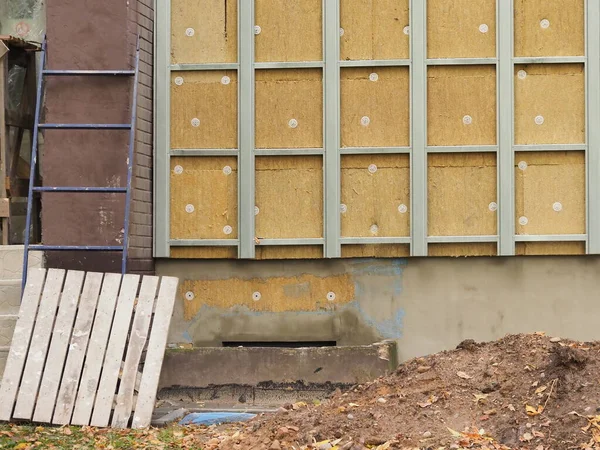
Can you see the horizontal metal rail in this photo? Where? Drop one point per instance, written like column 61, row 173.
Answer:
column 85, row 126
column 99, row 248
column 99, row 73
column 114, row 190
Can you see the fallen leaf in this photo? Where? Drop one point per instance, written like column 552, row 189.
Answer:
column 541, row 389
column 490, row 412
column 532, row 411
column 480, row 398
column 464, row 376
column 526, row 437
column 537, row 434
column 353, row 405
column 540, row 333
column 456, row 434
column 67, row 431
column 512, row 408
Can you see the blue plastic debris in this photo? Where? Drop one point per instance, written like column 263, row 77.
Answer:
column 215, row 418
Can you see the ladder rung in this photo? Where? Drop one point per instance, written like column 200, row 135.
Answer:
column 115, row 248
column 63, row 73
column 79, row 189
column 85, row 126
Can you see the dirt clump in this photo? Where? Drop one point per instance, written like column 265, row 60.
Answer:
column 520, row 392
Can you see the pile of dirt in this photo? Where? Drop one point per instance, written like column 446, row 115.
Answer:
column 521, row 392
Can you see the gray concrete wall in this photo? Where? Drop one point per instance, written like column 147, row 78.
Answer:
column 427, row 304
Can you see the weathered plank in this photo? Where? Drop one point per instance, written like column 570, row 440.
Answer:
column 96, row 350
column 114, row 352
column 20, row 342
column 58, row 347
column 77, row 348
column 137, row 341
column 155, row 353
column 36, row 356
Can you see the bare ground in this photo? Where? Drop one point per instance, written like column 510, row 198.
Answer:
column 520, row 392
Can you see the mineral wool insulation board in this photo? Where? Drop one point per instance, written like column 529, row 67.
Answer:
column 310, row 107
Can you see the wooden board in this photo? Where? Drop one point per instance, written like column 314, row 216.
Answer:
column 550, row 181
column 135, row 346
column 206, row 186
column 211, row 98
column 455, row 94
column 289, row 195
column 156, row 351
column 461, row 28
column 55, row 318
column 375, row 107
column 562, row 35
column 376, row 251
column 96, row 350
column 289, row 31
column 36, row 355
column 58, row 347
column 550, row 248
column 17, row 355
column 555, row 93
column 114, row 352
column 375, row 195
column 461, row 189
column 374, row 29
column 463, row 249
column 77, row 349
column 286, row 95
column 214, row 31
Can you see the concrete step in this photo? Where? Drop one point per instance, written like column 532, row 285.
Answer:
column 11, row 261
column 217, row 377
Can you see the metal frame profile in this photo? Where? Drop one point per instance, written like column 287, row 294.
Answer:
column 418, row 149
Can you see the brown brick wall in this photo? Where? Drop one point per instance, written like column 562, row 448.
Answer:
column 86, row 34
column 141, row 20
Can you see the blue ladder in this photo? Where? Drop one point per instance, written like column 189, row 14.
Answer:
column 76, row 126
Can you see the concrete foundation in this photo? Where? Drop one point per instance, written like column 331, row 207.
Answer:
column 426, row 305
column 201, row 367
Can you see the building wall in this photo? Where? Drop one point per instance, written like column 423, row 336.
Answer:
column 426, row 304
column 97, row 35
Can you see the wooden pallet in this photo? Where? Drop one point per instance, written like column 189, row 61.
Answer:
column 78, row 344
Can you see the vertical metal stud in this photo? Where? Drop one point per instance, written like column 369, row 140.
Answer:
column 246, row 179
column 506, row 173
column 418, row 163
column 593, row 118
column 331, row 123
column 162, row 127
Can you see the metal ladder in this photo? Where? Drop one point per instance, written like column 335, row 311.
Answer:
column 76, row 126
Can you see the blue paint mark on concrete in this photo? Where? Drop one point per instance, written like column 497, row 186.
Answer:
column 389, row 328
column 187, row 338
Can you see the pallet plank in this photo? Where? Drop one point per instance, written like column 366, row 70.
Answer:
column 137, row 341
column 20, row 342
column 156, row 352
column 59, row 346
column 114, row 352
column 77, row 348
column 36, row 356
column 96, row 350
